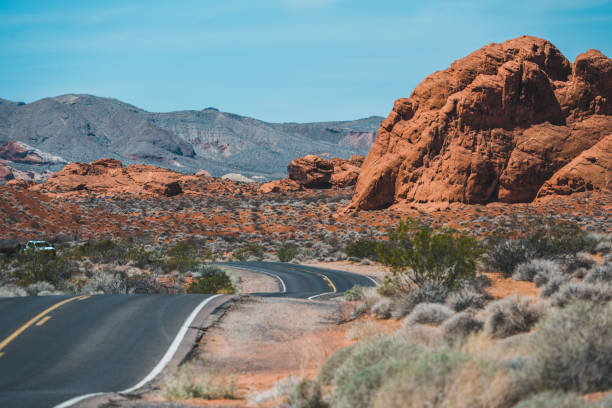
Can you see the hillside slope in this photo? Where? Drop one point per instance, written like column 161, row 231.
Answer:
column 84, row 128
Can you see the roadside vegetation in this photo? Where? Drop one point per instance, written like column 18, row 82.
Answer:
column 113, row 266
column 459, row 347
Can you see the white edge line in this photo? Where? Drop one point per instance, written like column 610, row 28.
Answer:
column 162, row 363
column 255, row 270
column 320, row 294
column 372, row 279
column 75, row 400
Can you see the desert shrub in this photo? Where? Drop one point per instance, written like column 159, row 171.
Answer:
column 423, row 383
column 466, row 298
column 556, row 399
column 142, row 283
column 287, row 252
column 353, row 294
column 604, row 247
column 478, row 283
column 35, row 267
column 106, row 282
column 39, row 287
column 362, row 248
column 571, row 350
column 430, row 292
column 12, row 291
column 460, row 325
column 185, row 255
column 543, row 238
column 579, row 260
column 306, row 394
column 143, row 258
column 382, row 309
column 429, row 313
column 335, row 360
column 553, row 284
column 505, row 255
column 574, row 291
column 212, row 280
column 250, row 250
column 185, row 383
column 528, row 270
column 425, row 254
column 511, row 316
column 357, row 379
column 599, row 274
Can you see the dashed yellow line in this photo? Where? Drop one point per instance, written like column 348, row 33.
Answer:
column 42, row 314
column 331, row 284
column 43, row 320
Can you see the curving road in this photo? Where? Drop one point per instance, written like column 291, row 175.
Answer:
column 55, row 349
column 301, row 281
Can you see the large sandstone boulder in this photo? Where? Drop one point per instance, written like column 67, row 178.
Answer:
column 495, row 126
column 591, row 170
column 314, row 172
column 311, row 171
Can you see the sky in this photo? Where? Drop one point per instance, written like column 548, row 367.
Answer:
column 275, row 60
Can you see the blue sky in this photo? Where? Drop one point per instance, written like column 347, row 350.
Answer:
column 276, row 60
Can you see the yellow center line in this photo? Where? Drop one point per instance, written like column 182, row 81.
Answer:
column 85, row 297
column 43, row 320
column 329, row 282
column 20, row 330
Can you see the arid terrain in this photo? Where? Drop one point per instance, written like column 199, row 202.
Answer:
column 483, row 211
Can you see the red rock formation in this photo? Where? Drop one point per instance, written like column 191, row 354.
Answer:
column 314, row 172
column 6, row 171
column 495, row 126
column 591, row 170
column 108, row 176
column 311, row 171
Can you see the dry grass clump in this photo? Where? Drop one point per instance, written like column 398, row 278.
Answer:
column 575, row 291
column 460, row 326
column 190, row 382
column 429, row 313
column 562, row 400
column 528, row 270
column 571, row 350
column 365, row 330
column 511, row 316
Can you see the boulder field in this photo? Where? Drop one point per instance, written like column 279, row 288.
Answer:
column 510, row 122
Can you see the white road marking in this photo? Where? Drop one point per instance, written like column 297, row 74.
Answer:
column 320, row 294
column 257, row 270
column 372, row 279
column 162, row 363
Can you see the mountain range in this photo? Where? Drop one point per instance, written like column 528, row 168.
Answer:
column 83, row 128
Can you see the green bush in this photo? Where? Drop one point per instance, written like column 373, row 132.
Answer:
column 306, row 394
column 247, row 251
column 287, row 252
column 43, row 266
column 543, row 238
column 362, row 248
column 185, row 255
column 571, row 350
column 215, row 280
column 446, row 256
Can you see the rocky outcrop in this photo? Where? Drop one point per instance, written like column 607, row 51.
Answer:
column 346, row 172
column 18, row 152
column 591, row 170
column 495, row 126
column 314, row 172
column 8, row 173
column 109, row 177
column 311, row 171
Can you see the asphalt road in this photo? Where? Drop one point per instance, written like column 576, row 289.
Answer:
column 301, row 281
column 57, row 348
column 98, row 344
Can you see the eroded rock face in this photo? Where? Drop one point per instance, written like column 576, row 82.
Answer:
column 591, row 170
column 495, row 126
column 311, row 171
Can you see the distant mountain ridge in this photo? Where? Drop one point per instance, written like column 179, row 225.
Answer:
column 84, row 128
